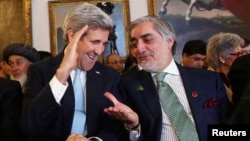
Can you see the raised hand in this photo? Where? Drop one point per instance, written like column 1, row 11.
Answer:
column 69, row 61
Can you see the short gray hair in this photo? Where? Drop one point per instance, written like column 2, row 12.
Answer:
column 162, row 26
column 221, row 44
column 86, row 14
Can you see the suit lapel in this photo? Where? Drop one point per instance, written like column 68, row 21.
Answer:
column 149, row 93
column 94, row 79
column 195, row 96
column 68, row 98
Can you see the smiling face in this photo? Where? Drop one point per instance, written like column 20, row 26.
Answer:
column 90, row 47
column 153, row 53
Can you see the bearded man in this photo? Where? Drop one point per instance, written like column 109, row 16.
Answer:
column 19, row 57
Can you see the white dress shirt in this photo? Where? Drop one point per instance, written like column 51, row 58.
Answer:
column 174, row 80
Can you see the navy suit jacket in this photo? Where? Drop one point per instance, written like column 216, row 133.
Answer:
column 44, row 119
column 140, row 92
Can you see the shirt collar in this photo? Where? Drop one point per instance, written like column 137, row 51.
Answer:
column 172, row 68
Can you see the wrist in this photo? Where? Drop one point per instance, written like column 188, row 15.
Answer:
column 129, row 127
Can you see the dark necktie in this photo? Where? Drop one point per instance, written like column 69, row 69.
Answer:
column 178, row 117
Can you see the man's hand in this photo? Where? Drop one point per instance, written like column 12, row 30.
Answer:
column 69, row 61
column 121, row 111
column 76, row 137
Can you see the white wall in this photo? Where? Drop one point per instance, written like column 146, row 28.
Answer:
column 40, row 20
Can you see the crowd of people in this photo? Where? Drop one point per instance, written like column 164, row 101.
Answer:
column 144, row 97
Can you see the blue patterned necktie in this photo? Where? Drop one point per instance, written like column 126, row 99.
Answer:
column 178, row 117
column 79, row 120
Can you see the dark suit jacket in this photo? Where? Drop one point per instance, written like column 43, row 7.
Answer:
column 44, row 119
column 139, row 89
column 10, row 108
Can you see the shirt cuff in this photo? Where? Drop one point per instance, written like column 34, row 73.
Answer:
column 134, row 132
column 57, row 88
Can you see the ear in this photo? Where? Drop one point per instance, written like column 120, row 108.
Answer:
column 184, row 55
column 222, row 59
column 170, row 43
column 70, row 34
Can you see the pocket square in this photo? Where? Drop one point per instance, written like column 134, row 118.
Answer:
column 210, row 103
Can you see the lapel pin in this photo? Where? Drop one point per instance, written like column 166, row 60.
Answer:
column 140, row 88
column 194, row 94
column 97, row 72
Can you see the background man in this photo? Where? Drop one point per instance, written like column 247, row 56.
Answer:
column 194, row 54
column 4, row 68
column 19, row 57
column 115, row 61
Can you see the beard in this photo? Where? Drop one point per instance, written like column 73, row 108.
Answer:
column 149, row 66
column 22, row 79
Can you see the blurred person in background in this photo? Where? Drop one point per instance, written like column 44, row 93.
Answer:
column 10, row 110
column 222, row 50
column 19, row 57
column 246, row 46
column 44, row 55
column 4, row 68
column 194, row 54
column 239, row 77
column 115, row 61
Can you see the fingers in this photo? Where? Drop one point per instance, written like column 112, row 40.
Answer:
column 75, row 37
column 76, row 137
column 79, row 33
column 109, row 96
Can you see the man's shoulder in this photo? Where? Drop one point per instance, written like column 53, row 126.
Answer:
column 9, row 84
column 196, row 71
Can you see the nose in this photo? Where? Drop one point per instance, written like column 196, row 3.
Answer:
column 99, row 50
column 140, row 47
column 13, row 66
column 201, row 63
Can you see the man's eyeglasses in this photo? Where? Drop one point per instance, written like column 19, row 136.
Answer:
column 238, row 54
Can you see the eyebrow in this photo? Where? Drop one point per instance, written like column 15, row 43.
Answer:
column 142, row 36
column 18, row 59
column 146, row 35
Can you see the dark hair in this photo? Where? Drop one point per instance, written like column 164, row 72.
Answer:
column 44, row 55
column 194, row 47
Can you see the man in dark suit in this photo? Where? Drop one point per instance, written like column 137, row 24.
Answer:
column 201, row 93
column 10, row 108
column 50, row 106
